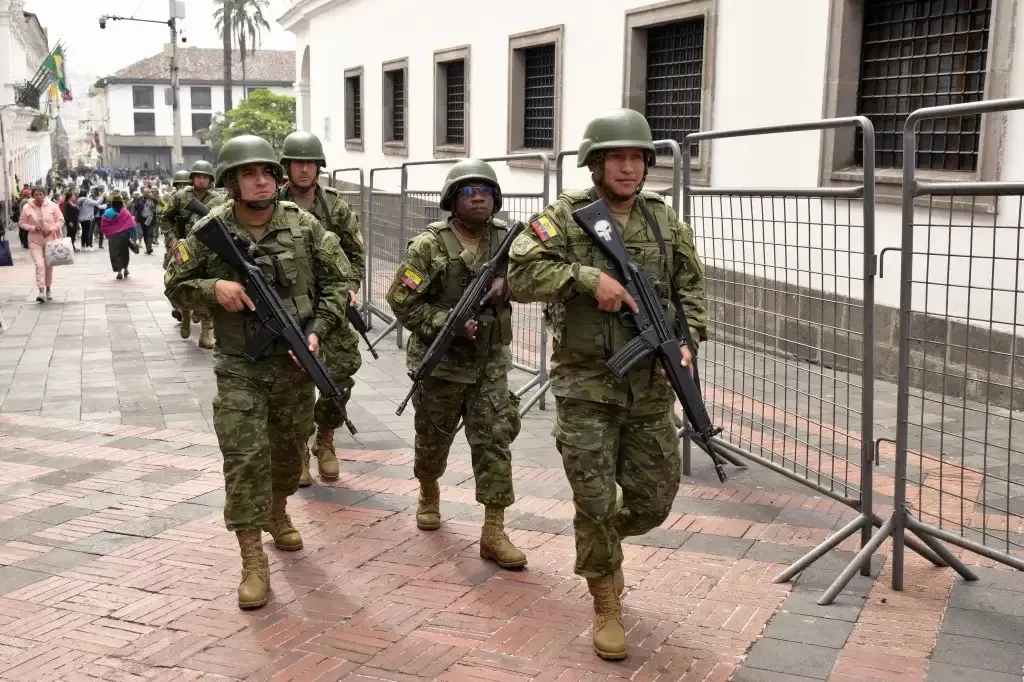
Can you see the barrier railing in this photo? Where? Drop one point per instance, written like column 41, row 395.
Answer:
column 958, row 450
column 356, row 200
column 384, row 251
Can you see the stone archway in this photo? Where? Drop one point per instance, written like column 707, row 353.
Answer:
column 305, row 105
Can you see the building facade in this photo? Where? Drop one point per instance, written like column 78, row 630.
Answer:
column 137, row 126
column 23, row 48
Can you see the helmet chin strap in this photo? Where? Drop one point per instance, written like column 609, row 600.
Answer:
column 261, row 204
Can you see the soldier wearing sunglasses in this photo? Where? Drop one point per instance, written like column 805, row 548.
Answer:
column 471, row 382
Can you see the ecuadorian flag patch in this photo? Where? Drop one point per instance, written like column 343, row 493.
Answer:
column 411, row 279
column 180, row 253
column 543, row 227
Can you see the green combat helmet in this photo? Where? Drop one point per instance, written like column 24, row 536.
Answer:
column 465, row 171
column 302, row 146
column 181, row 178
column 616, row 129
column 201, row 168
column 242, row 151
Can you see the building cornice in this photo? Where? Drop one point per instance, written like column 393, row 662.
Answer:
column 166, row 81
column 298, row 14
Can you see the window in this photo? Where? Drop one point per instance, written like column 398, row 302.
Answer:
column 669, row 74
column 396, row 107
column 145, row 123
column 201, row 97
column 200, row 122
column 451, row 102
column 535, row 91
column 142, row 96
column 354, row 109
column 887, row 58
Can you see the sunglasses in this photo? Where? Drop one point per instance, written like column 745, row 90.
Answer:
column 470, row 190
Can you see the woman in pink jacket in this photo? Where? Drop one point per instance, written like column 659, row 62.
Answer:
column 44, row 222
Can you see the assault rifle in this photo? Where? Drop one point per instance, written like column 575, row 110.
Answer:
column 651, row 331
column 180, row 226
column 276, row 323
column 357, row 322
column 466, row 309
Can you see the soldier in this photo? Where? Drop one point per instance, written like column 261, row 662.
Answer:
column 174, row 222
column 182, row 179
column 471, row 381
column 262, row 412
column 302, row 156
column 608, row 429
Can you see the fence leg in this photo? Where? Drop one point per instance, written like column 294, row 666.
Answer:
column 390, row 328
column 914, row 544
column 821, row 550
column 864, row 555
column 918, row 529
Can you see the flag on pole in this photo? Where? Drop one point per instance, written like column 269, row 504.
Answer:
column 55, row 65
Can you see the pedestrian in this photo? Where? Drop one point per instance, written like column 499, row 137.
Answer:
column 174, row 223
column 144, row 210
column 471, row 380
column 120, row 228
column 26, row 198
column 263, row 410
column 43, row 223
column 70, row 211
column 90, row 210
column 608, row 429
column 302, row 157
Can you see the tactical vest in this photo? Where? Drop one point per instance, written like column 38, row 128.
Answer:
column 578, row 325
column 319, row 202
column 285, row 257
column 458, row 276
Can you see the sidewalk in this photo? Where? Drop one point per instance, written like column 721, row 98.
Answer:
column 114, row 563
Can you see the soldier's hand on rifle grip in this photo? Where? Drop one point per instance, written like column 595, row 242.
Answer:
column 497, row 292
column 353, row 298
column 232, row 297
column 611, row 295
column 314, row 348
column 469, row 330
column 687, row 363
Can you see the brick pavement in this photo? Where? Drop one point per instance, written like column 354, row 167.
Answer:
column 114, row 564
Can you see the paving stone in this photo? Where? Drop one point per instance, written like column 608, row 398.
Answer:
column 55, row 561
column 974, row 652
column 722, row 545
column 804, row 601
column 357, row 467
column 760, row 513
column 214, row 498
column 774, row 552
column 527, row 521
column 326, row 493
column 19, row 527
column 100, row 501
column 171, row 476
column 57, row 514
column 984, row 624
column 658, row 537
column 389, row 502
column 62, row 478
column 94, row 466
column 148, row 527
column 136, row 488
column 794, row 627
column 15, row 577
column 944, row 672
column 184, row 511
column 102, row 543
column 984, row 598
column 755, row 675
column 792, row 658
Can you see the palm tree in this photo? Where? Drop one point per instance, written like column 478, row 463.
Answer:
column 222, row 21
column 240, row 21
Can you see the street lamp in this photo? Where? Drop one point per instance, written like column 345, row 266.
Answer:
column 177, row 12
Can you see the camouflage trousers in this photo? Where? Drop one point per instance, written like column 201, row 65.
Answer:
column 602, row 445
column 262, row 414
column 199, row 316
column 341, row 355
column 492, row 423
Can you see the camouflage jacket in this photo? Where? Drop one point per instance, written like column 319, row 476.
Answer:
column 174, row 208
column 303, row 261
column 429, row 283
column 334, row 214
column 555, row 262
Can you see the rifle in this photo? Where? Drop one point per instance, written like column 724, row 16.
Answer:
column 181, row 225
column 357, row 322
column 466, row 309
column 276, row 323
column 651, row 332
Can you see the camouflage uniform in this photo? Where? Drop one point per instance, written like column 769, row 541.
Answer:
column 471, row 380
column 608, row 430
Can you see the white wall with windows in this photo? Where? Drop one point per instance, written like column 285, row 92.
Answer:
column 420, row 85
column 139, row 109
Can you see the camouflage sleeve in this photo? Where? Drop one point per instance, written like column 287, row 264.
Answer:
column 165, row 218
column 688, row 278
column 332, row 273
column 409, row 294
column 351, row 241
column 539, row 268
column 186, row 282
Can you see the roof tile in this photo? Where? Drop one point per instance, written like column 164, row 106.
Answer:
column 207, row 64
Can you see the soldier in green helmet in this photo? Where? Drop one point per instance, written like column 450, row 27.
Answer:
column 263, row 410
column 174, row 223
column 610, row 430
column 471, row 381
column 302, row 157
column 182, row 178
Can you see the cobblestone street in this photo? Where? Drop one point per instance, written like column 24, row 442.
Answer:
column 115, row 564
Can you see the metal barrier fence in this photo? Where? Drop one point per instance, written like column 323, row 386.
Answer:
column 395, row 218
column 958, row 447
column 355, row 198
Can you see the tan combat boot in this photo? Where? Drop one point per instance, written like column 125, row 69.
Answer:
column 304, row 479
column 326, row 459
column 609, row 635
column 186, row 324
column 255, row 585
column 281, row 528
column 428, row 511
column 494, row 543
column 206, row 334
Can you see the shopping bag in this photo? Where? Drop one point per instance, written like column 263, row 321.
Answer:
column 59, row 252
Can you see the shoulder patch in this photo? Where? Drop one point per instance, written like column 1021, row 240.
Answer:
column 521, row 246
column 180, row 253
column 544, row 228
column 411, row 278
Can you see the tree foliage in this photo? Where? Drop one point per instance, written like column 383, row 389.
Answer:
column 262, row 113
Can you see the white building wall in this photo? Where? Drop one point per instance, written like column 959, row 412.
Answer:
column 769, row 68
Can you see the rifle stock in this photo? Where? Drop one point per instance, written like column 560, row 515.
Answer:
column 466, row 309
column 652, row 334
column 276, row 323
column 357, row 322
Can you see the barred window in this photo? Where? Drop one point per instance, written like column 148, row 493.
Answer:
column 201, row 122
column 201, row 97
column 455, row 102
column 675, row 75
column 923, row 53
column 397, row 105
column 145, row 123
column 539, row 97
column 394, row 107
column 353, row 108
column 142, row 96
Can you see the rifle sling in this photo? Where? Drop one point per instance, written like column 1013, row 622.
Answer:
column 673, row 294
